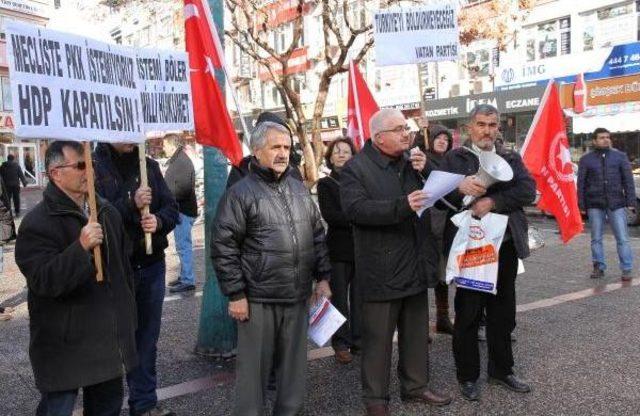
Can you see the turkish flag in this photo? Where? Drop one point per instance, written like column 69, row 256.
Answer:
column 546, row 154
column 360, row 107
column 212, row 122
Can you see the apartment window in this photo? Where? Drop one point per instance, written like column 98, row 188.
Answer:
column 145, row 36
column 548, row 39
column 478, row 63
column 298, row 82
column 7, row 104
column 609, row 26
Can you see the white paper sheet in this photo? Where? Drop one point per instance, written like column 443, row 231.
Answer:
column 439, row 184
column 324, row 321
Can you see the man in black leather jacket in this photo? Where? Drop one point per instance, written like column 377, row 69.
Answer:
column 268, row 247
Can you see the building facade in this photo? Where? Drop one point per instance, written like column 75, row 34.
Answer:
column 29, row 153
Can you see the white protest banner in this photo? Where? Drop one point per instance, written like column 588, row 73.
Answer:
column 165, row 94
column 416, row 35
column 73, row 88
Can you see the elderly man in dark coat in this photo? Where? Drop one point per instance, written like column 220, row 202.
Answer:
column 380, row 193
column 507, row 198
column 268, row 248
column 82, row 331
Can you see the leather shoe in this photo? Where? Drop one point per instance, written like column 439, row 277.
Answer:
column 512, row 383
column 430, row 397
column 344, row 356
column 470, row 391
column 378, row 410
column 182, row 287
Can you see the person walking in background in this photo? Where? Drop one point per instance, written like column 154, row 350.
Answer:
column 12, row 176
column 605, row 188
column 268, row 247
column 346, row 296
column 117, row 169
column 381, row 190
column 7, row 233
column 82, row 331
column 440, row 142
column 181, row 180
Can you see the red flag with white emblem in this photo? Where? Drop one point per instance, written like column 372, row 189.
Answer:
column 212, row 122
column 546, row 154
column 360, row 107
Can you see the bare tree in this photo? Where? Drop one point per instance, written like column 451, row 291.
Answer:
column 249, row 30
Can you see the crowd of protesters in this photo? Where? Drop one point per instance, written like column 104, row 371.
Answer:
column 275, row 251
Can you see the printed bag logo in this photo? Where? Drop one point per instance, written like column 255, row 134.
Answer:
column 476, row 232
column 478, row 256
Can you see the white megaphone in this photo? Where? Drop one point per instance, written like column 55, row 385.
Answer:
column 493, row 168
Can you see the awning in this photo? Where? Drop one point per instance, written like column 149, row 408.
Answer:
column 620, row 122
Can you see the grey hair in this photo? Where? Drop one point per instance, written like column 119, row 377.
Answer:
column 485, row 110
column 259, row 133
column 54, row 154
column 376, row 123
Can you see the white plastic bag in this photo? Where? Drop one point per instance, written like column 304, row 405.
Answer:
column 473, row 259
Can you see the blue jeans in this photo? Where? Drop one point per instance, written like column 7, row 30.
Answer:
column 618, row 220
column 182, row 237
column 103, row 399
column 142, row 380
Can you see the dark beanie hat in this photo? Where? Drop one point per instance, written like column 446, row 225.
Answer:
column 273, row 118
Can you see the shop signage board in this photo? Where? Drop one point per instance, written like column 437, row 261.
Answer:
column 516, row 101
column 414, row 35
column 605, row 91
column 619, row 60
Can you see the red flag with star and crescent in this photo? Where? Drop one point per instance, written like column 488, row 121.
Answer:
column 546, row 154
column 213, row 124
column 360, row 107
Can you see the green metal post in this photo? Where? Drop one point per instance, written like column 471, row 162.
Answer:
column 217, row 335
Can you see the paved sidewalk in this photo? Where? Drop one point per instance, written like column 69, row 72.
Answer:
column 577, row 344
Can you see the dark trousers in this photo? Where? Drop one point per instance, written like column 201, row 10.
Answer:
column 274, row 336
column 379, row 321
column 501, row 321
column 142, row 380
column 103, row 399
column 14, row 193
column 347, row 299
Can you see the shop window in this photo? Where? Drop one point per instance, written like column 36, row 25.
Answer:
column 548, row 39
column 609, row 26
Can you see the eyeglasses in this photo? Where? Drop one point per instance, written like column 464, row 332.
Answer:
column 81, row 165
column 399, row 130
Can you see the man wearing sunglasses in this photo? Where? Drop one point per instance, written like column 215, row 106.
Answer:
column 117, row 170
column 82, row 331
column 394, row 255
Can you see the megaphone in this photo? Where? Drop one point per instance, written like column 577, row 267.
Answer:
column 493, row 168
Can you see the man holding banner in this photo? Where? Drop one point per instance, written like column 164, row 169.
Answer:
column 82, row 331
column 506, row 198
column 118, row 180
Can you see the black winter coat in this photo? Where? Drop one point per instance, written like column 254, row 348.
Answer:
column 394, row 250
column 605, row 180
column 7, row 226
column 82, row 331
column 268, row 239
column 12, row 174
column 181, row 180
column 509, row 197
column 118, row 186
column 339, row 233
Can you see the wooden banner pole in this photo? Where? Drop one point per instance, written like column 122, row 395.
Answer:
column 423, row 107
column 93, row 208
column 144, row 182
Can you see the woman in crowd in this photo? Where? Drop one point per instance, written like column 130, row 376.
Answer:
column 340, row 243
column 439, row 142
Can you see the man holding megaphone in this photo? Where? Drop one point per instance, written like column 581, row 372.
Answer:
column 496, row 181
